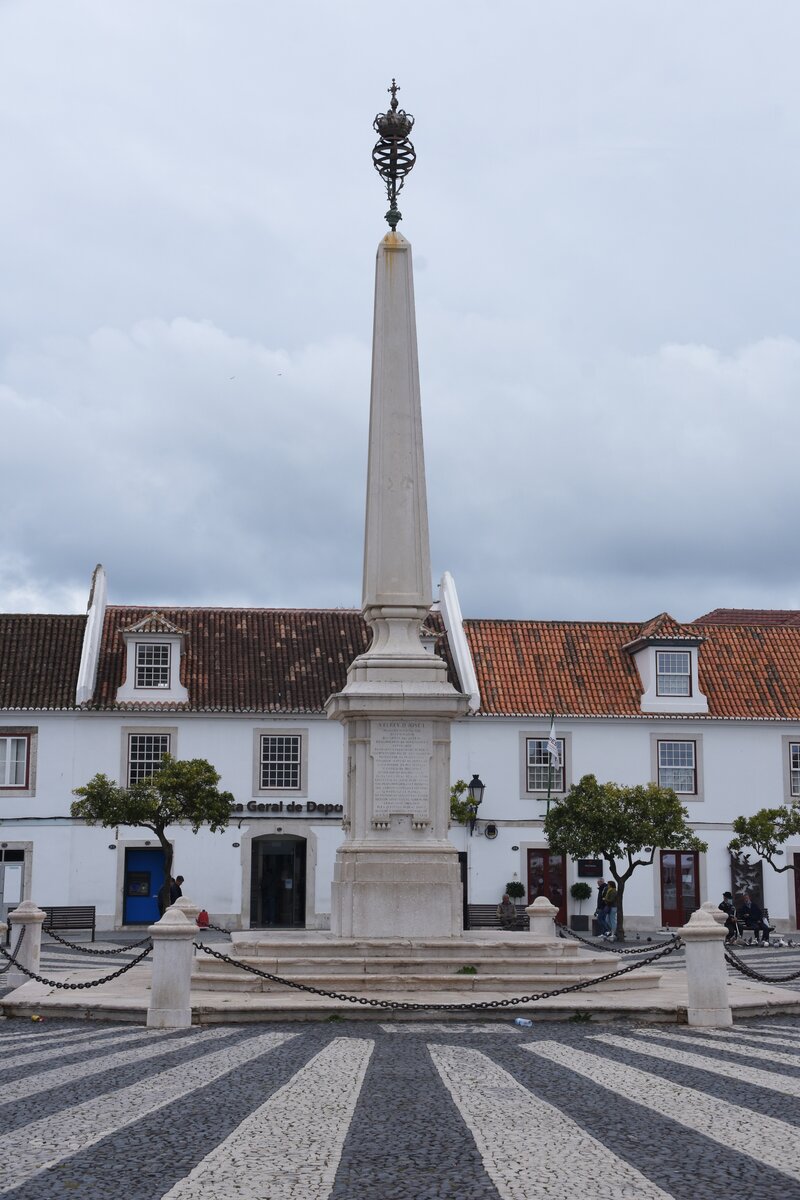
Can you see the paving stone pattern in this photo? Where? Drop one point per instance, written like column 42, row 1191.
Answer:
column 355, row 1110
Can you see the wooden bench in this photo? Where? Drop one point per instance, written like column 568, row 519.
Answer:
column 484, row 916
column 61, row 916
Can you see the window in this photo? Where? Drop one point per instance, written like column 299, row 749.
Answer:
column 673, row 673
column 13, row 762
column 280, row 762
column 145, row 752
column 794, row 768
column 677, row 767
column 152, row 665
column 539, row 769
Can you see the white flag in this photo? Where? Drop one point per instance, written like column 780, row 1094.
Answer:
column 552, row 746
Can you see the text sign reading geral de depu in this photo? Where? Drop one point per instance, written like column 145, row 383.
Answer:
column 401, row 754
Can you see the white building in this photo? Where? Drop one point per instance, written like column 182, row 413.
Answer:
column 711, row 708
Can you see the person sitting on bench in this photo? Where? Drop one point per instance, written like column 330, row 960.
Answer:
column 753, row 918
column 507, row 912
column 729, row 908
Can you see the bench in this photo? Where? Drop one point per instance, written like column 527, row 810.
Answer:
column 61, row 916
column 484, row 916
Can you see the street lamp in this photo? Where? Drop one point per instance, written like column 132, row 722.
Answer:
column 475, row 789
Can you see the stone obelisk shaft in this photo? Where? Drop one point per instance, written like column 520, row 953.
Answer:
column 397, row 568
column 396, row 874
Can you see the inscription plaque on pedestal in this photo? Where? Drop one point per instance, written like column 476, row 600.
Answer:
column 401, row 755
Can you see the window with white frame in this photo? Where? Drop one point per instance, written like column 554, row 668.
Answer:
column 677, row 767
column 673, row 673
column 152, row 665
column 145, row 752
column 541, row 772
column 13, row 762
column 280, row 762
column 794, row 768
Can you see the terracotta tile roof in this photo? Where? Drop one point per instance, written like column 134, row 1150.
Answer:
column 665, row 628
column 39, row 660
column 750, row 616
column 532, row 668
column 248, row 660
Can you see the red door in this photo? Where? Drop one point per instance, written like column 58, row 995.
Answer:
column 547, row 876
column 680, row 890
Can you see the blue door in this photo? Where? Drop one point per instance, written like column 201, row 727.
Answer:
column 144, row 875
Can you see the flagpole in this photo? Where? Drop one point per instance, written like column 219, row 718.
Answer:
column 549, row 767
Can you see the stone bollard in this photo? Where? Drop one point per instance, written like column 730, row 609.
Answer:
column 171, row 995
column 542, row 917
column 706, row 976
column 714, row 909
column 28, row 917
column 188, row 908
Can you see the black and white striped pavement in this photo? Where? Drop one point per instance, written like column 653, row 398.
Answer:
column 400, row 1111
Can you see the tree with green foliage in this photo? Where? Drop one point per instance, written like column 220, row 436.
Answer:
column 180, row 791
column 463, row 809
column 623, row 825
column 766, row 832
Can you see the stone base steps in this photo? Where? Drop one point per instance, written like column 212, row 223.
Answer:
column 379, row 985
column 483, row 945
column 529, row 964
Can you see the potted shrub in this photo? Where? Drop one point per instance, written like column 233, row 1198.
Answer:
column 580, row 891
column 516, row 891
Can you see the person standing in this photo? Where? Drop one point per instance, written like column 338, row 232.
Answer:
column 601, row 913
column 610, row 902
column 176, row 889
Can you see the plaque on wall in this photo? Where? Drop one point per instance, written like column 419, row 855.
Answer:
column 590, row 868
column 401, row 759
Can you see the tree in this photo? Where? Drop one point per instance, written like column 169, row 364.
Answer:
column 463, row 809
column 766, row 831
column 620, row 824
column 180, row 791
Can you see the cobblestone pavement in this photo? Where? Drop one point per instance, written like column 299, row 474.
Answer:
column 355, row 1110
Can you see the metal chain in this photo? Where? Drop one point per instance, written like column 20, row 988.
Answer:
column 85, row 949
column 409, row 1006
column 739, row 965
column 14, row 953
column 565, row 932
column 90, row 983
column 218, row 928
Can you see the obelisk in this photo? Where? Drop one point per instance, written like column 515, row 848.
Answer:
column 396, row 874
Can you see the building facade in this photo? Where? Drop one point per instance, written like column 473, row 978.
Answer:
column 710, row 708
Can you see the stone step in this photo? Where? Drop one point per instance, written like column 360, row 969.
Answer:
column 488, row 944
column 378, row 985
column 299, row 967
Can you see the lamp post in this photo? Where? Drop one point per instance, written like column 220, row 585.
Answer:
column 475, row 789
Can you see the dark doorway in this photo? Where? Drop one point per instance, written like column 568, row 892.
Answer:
column 463, row 867
column 278, row 883
column 144, row 876
column 12, row 880
column 680, row 886
column 547, row 876
column 797, row 891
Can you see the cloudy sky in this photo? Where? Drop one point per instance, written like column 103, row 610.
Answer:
column 604, row 221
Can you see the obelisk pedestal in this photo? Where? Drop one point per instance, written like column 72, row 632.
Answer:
column 396, row 875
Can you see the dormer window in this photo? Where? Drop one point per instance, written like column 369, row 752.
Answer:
column 667, row 659
column 154, row 650
column 152, row 665
column 673, row 673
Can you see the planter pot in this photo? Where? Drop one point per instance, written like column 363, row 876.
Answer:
column 579, row 924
